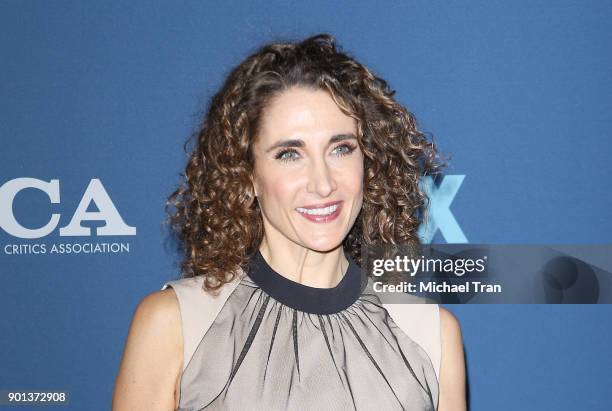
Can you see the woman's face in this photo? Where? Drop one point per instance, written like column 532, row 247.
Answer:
column 308, row 174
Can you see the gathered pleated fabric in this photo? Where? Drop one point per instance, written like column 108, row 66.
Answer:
column 277, row 344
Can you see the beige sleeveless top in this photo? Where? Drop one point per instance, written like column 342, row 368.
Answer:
column 265, row 342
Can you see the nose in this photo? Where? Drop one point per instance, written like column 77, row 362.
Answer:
column 321, row 178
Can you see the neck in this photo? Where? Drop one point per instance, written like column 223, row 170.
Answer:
column 304, row 265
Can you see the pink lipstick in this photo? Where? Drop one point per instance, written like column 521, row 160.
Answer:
column 321, row 213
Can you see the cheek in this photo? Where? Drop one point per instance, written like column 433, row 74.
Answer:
column 279, row 190
column 354, row 180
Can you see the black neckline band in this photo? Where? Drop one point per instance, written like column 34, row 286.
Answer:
column 305, row 298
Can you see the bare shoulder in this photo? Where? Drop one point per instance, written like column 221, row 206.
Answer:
column 449, row 324
column 161, row 304
column 153, row 355
column 452, row 368
column 158, row 315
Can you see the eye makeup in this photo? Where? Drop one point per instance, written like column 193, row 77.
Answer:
column 350, row 148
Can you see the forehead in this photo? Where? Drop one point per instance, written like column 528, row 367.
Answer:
column 312, row 113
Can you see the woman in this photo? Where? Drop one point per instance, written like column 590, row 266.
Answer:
column 303, row 158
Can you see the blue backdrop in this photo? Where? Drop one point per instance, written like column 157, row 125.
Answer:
column 519, row 93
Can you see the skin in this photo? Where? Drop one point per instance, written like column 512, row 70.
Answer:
column 149, row 373
column 316, row 169
column 452, row 366
column 312, row 170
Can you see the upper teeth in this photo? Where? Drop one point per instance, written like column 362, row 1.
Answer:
column 318, row 211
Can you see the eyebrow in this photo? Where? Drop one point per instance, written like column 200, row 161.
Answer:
column 300, row 143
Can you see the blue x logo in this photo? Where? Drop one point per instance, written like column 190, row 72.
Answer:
column 440, row 216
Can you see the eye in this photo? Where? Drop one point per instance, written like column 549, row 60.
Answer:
column 289, row 155
column 348, row 149
column 281, row 155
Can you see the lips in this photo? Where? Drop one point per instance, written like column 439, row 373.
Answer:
column 321, row 213
column 321, row 205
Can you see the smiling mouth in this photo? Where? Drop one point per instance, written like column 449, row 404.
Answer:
column 318, row 211
column 321, row 214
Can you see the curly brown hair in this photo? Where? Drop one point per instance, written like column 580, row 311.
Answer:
column 216, row 216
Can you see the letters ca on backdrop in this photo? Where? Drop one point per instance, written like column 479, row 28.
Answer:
column 95, row 191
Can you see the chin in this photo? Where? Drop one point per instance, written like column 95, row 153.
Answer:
column 323, row 245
